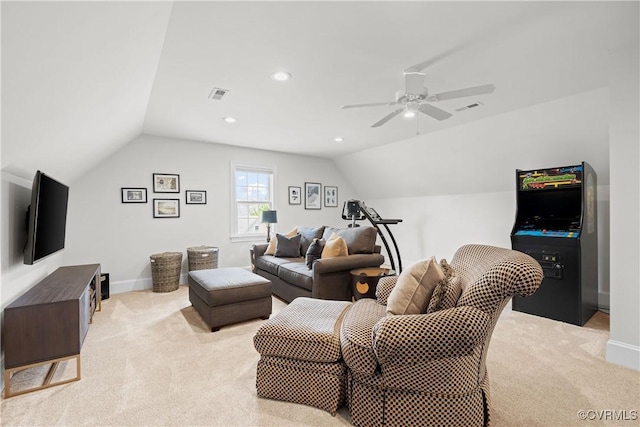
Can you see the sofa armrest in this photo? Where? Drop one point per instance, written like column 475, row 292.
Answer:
column 385, row 286
column 346, row 263
column 256, row 251
column 332, row 276
column 419, row 338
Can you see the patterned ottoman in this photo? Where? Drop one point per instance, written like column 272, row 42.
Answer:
column 300, row 358
column 223, row 296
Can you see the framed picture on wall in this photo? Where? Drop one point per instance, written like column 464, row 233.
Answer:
column 312, row 195
column 295, row 196
column 166, row 183
column 166, row 208
column 196, row 197
column 330, row 197
column 134, row 195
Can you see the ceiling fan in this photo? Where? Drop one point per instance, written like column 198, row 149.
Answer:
column 416, row 98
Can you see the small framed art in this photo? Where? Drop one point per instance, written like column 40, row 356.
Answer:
column 294, row 196
column 166, row 183
column 166, row 208
column 312, row 195
column 134, row 195
column 330, row 197
column 196, row 197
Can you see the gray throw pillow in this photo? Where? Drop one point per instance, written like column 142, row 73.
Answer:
column 314, row 252
column 287, row 247
column 307, row 235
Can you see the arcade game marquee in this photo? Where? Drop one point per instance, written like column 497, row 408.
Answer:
column 556, row 224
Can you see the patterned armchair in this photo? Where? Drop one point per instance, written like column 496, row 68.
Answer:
column 429, row 369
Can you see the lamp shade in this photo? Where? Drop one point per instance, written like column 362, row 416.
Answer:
column 269, row 217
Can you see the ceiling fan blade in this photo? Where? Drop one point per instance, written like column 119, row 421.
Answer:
column 388, row 117
column 414, row 82
column 374, row 104
column 434, row 112
column 439, row 57
column 461, row 93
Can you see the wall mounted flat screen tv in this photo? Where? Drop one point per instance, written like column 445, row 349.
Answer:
column 46, row 218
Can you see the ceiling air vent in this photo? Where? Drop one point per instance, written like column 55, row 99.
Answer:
column 470, row 106
column 217, row 93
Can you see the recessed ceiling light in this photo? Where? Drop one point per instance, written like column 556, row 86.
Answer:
column 338, row 139
column 229, row 119
column 281, row 76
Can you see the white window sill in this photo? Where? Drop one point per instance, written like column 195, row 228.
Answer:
column 255, row 238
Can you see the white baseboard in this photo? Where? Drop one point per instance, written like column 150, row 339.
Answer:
column 603, row 301
column 137, row 285
column 623, row 354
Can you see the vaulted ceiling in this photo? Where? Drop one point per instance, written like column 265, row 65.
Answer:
column 81, row 79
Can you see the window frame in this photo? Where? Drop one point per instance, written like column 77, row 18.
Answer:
column 235, row 235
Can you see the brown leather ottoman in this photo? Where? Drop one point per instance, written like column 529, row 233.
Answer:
column 223, row 296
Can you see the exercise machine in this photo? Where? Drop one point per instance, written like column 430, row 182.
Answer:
column 357, row 210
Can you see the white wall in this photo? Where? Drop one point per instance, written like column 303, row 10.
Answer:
column 17, row 277
column 439, row 225
column 624, row 340
column 122, row 236
column 481, row 156
column 466, row 193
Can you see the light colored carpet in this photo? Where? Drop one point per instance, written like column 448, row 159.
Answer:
column 149, row 359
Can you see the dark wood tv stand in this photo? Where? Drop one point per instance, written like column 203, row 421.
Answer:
column 48, row 324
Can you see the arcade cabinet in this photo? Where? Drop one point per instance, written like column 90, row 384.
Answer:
column 556, row 224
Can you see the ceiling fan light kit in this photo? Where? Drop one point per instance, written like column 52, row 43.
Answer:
column 416, row 98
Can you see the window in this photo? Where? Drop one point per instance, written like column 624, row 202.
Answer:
column 252, row 193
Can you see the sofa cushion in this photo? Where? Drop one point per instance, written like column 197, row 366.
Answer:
column 272, row 264
column 314, row 252
column 287, row 247
column 414, row 288
column 307, row 235
column 355, row 335
column 360, row 240
column 297, row 274
column 271, row 249
column 335, row 246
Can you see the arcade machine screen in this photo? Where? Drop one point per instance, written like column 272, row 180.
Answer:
column 549, row 203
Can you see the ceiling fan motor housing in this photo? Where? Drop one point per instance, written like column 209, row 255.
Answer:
column 404, row 97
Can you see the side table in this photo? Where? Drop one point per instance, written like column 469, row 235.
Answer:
column 365, row 281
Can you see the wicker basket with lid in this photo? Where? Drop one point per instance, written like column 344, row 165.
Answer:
column 203, row 257
column 165, row 271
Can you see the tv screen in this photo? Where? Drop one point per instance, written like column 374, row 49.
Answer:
column 46, row 218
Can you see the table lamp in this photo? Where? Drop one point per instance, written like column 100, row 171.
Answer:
column 269, row 217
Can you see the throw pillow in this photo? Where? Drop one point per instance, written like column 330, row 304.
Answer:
column 449, row 295
column 335, row 246
column 308, row 234
column 414, row 288
column 448, row 290
column 287, row 247
column 271, row 249
column 314, row 252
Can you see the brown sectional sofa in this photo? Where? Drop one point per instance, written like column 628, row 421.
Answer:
column 329, row 278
